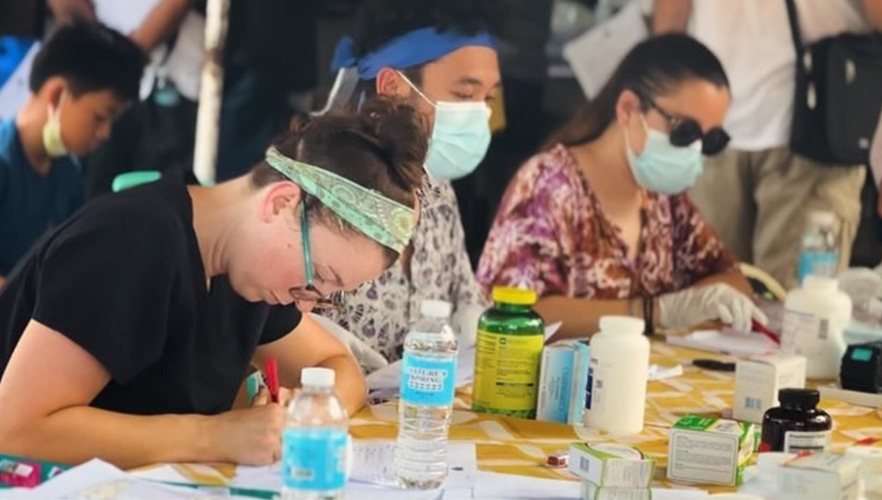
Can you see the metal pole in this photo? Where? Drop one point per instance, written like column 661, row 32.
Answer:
column 211, row 92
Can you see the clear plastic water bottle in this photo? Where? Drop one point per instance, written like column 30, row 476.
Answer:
column 819, row 254
column 315, row 441
column 428, row 380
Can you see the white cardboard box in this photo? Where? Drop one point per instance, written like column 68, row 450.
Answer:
column 709, row 450
column 591, row 491
column 562, row 381
column 610, row 465
column 820, row 476
column 758, row 380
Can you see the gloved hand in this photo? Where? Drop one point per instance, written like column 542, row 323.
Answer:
column 692, row 306
column 465, row 323
column 861, row 284
column 367, row 357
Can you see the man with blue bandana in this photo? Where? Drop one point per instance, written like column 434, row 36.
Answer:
column 441, row 56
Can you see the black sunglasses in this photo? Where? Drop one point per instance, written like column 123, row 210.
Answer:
column 685, row 131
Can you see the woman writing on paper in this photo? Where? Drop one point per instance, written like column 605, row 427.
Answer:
column 600, row 224
column 127, row 333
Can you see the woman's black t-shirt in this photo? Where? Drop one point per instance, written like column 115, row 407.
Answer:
column 124, row 280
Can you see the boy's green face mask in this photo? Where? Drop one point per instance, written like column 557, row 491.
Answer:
column 52, row 140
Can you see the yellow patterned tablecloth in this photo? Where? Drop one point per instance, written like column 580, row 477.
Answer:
column 516, row 446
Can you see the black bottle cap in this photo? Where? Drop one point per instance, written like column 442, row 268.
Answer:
column 804, row 398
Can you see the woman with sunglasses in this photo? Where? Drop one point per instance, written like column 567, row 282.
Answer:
column 126, row 334
column 600, row 224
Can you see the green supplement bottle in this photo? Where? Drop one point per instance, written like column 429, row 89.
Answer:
column 507, row 356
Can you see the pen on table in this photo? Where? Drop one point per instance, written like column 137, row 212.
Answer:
column 271, row 372
column 761, row 328
column 712, row 364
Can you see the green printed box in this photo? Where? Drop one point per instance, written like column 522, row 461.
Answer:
column 709, row 450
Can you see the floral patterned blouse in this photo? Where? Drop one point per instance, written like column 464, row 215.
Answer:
column 551, row 234
column 381, row 312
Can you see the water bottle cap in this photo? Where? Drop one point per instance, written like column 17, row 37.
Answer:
column 317, row 377
column 622, row 325
column 822, row 218
column 440, row 309
column 820, row 283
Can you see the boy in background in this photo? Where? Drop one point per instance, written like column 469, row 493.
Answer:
column 82, row 79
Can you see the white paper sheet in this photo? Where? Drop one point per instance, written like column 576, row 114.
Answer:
column 184, row 64
column 123, row 15
column 372, row 474
column 15, row 92
column 657, row 372
column 97, row 480
column 492, row 486
column 374, row 464
column 726, row 342
column 595, row 55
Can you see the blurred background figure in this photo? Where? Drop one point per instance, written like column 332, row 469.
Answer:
column 758, row 193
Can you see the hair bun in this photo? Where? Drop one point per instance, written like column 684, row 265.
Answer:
column 401, row 135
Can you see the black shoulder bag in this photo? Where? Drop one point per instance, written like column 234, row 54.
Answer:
column 838, row 95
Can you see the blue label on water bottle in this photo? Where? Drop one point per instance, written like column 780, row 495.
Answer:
column 817, row 264
column 314, row 459
column 428, row 381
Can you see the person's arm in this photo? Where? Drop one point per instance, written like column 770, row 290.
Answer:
column 670, row 16
column 732, row 278
column 873, row 8
column 45, row 393
column 876, row 161
column 311, row 345
column 67, row 11
column 469, row 300
column 581, row 317
column 160, row 23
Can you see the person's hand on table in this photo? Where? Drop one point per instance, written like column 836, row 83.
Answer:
column 693, row 306
column 67, row 11
column 252, row 436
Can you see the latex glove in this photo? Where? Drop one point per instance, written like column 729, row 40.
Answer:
column 861, row 284
column 719, row 301
column 465, row 323
column 367, row 357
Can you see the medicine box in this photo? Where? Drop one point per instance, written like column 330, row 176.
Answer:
column 758, row 380
column 562, row 382
column 591, row 491
column 820, row 476
column 710, row 450
column 610, row 465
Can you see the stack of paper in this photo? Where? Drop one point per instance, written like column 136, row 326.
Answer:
column 726, row 342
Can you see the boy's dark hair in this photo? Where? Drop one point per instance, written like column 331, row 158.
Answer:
column 90, row 57
column 381, row 21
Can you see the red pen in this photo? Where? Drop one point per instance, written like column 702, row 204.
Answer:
column 761, row 328
column 271, row 372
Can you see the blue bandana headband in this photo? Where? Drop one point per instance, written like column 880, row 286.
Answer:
column 409, row 50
